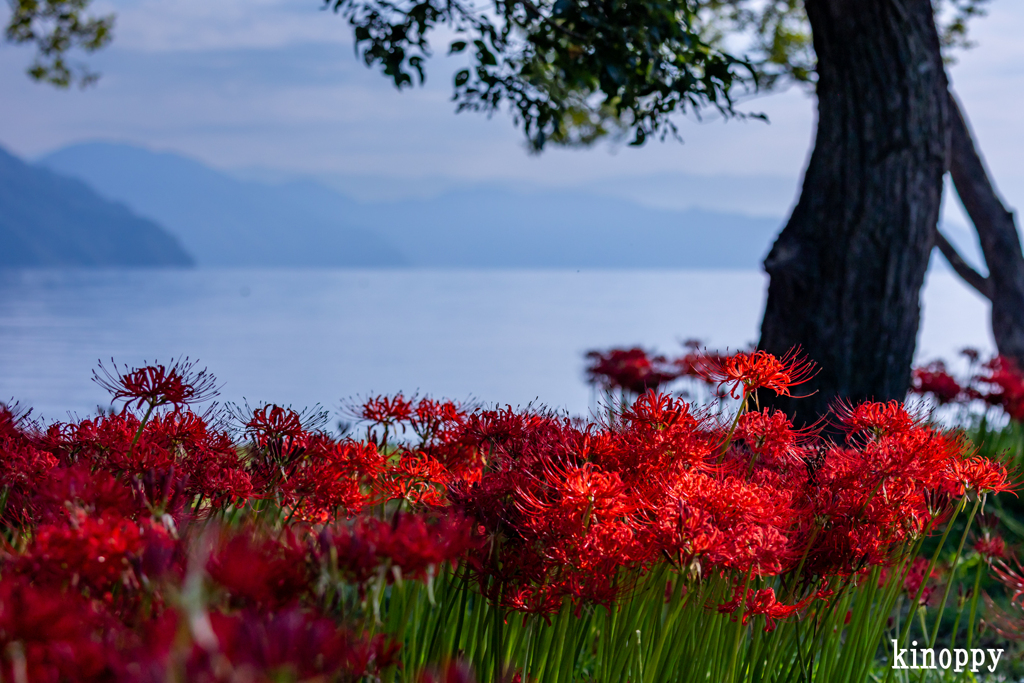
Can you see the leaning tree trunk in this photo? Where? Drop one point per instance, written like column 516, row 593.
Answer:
column 997, row 232
column 847, row 270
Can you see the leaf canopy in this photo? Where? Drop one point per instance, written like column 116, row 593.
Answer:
column 574, row 71
column 569, row 71
column 566, row 69
column 55, row 27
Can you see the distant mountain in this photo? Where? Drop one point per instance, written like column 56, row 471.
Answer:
column 491, row 227
column 50, row 220
column 224, row 221
column 227, row 221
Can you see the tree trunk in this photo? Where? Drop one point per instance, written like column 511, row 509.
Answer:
column 847, row 270
column 997, row 233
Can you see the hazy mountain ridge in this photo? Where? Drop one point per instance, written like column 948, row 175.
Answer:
column 49, row 220
column 228, row 221
column 223, row 221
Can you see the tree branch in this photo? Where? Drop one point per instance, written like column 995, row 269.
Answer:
column 551, row 22
column 997, row 233
column 972, row 277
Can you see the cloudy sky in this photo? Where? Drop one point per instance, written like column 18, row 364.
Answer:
column 273, row 87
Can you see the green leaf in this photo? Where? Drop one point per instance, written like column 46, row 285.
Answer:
column 457, row 46
column 461, row 78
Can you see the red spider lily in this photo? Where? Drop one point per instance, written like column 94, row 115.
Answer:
column 771, row 438
column 748, row 372
column 414, row 544
column 261, row 571
column 94, row 553
column 630, row 369
column 253, row 646
column 981, row 475
column 971, row 354
column 274, row 424
column 540, row 512
column 179, row 384
column 326, row 478
column 582, row 495
column 53, row 636
column 915, row 577
column 387, row 410
column 79, row 488
column 1007, row 623
column 416, row 478
column 689, row 364
column 1003, row 385
column 991, row 548
column 1012, row 580
column 875, row 418
column 24, row 468
column 763, row 603
column 451, row 672
column 935, row 380
column 430, row 418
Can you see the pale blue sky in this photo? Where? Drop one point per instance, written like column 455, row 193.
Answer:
column 274, row 85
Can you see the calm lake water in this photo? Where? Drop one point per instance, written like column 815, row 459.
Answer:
column 306, row 336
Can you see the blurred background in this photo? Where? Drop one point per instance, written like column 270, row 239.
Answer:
column 238, row 187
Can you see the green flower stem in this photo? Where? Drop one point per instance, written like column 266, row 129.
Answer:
column 904, row 635
column 953, row 568
column 974, row 604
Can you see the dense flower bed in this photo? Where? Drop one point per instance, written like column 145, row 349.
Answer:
column 157, row 543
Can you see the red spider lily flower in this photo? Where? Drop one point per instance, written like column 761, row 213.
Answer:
column 451, row 672
column 1002, row 384
column 414, row 544
column 771, row 437
column 53, row 636
column 1007, row 623
column 876, row 418
column 431, row 418
column 416, row 478
column 692, row 364
column 991, row 548
column 387, row 410
column 577, row 496
column 1012, row 580
column 179, row 384
column 290, row 645
column 93, row 553
column 763, row 603
column 79, row 488
column 260, row 571
column 981, row 475
column 630, row 369
column 329, row 477
column 748, row 372
column 916, row 576
column 24, row 468
column 272, row 423
column 935, row 380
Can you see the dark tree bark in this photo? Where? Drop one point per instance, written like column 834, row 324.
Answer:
column 997, row 232
column 847, row 270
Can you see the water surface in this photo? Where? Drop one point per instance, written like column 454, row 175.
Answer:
column 308, row 336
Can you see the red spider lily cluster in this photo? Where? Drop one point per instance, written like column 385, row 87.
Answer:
column 566, row 506
column 738, row 375
column 169, row 546
column 998, row 382
column 630, row 369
